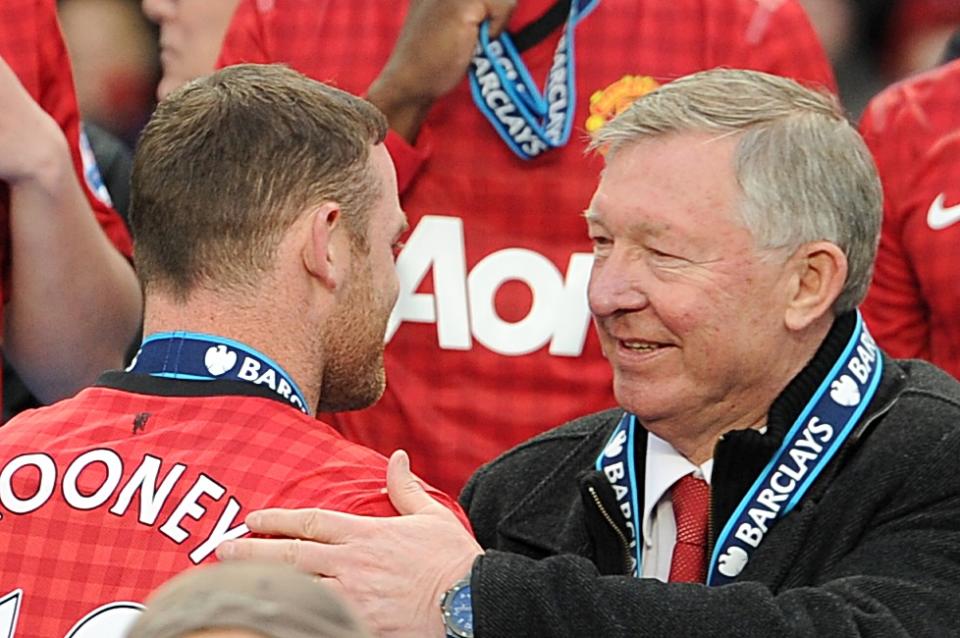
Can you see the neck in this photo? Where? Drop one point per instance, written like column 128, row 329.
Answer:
column 696, row 435
column 697, row 443
column 258, row 326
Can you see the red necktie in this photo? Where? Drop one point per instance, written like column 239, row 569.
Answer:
column 691, row 504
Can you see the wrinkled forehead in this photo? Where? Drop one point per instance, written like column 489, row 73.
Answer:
column 659, row 182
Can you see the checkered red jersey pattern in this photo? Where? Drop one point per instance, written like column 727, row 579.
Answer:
column 498, row 345
column 226, row 455
column 913, row 129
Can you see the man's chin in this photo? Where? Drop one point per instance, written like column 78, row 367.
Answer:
column 358, row 397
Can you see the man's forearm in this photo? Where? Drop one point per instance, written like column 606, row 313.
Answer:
column 74, row 304
column 565, row 597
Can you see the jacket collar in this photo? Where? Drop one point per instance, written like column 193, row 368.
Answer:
column 554, row 502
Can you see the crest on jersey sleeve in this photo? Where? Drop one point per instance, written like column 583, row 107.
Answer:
column 610, row 102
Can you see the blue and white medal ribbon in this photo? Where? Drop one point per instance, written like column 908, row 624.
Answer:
column 811, row 442
column 530, row 122
column 200, row 357
column 617, row 464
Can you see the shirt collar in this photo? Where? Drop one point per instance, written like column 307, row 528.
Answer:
column 664, row 467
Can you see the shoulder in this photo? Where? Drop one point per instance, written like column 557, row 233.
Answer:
column 905, row 462
column 917, row 102
column 920, row 423
column 573, row 444
column 930, row 396
column 556, row 442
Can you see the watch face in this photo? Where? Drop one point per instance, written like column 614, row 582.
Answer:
column 459, row 613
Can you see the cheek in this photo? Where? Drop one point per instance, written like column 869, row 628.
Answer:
column 387, row 281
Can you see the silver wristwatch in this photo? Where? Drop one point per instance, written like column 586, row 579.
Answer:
column 457, row 607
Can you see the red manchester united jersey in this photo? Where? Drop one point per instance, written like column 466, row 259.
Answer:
column 913, row 129
column 491, row 341
column 106, row 495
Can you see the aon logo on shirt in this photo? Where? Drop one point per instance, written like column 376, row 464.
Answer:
column 107, row 621
column 462, row 304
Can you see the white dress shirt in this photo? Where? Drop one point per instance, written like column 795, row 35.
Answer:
column 664, row 467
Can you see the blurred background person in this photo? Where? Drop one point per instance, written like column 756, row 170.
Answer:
column 871, row 43
column 913, row 130
column 490, row 342
column 191, row 32
column 113, row 49
column 953, row 48
column 918, row 32
column 245, row 600
column 72, row 303
column 843, row 27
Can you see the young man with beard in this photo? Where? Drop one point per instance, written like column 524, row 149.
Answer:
column 265, row 216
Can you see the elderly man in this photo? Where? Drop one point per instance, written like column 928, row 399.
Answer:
column 769, row 472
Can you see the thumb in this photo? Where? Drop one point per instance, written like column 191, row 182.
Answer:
column 499, row 14
column 404, row 488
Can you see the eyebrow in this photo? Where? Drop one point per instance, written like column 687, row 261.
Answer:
column 646, row 228
column 634, row 228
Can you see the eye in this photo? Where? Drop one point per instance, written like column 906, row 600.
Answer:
column 665, row 257
column 600, row 240
column 602, row 246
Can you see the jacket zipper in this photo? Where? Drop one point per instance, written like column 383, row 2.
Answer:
column 710, row 516
column 710, row 541
column 613, row 525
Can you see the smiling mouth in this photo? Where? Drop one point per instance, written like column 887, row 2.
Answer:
column 641, row 346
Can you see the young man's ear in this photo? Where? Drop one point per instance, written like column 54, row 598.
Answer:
column 323, row 251
column 820, row 271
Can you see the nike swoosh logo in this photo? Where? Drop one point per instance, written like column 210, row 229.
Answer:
column 939, row 217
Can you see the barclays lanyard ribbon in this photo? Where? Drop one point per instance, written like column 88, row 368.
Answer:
column 199, row 357
column 814, row 438
column 530, row 122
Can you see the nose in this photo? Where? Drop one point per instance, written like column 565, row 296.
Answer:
column 617, row 285
column 157, row 10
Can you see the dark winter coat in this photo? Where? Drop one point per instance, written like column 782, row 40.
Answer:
column 872, row 550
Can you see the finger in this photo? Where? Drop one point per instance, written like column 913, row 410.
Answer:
column 404, row 488
column 307, row 556
column 499, row 15
column 332, row 584
column 325, row 526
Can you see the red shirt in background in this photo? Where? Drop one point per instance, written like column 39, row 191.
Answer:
column 31, row 44
column 913, row 129
column 491, row 341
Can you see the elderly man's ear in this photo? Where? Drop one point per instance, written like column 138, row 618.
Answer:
column 818, row 271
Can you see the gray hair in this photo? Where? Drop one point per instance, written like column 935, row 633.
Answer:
column 805, row 173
